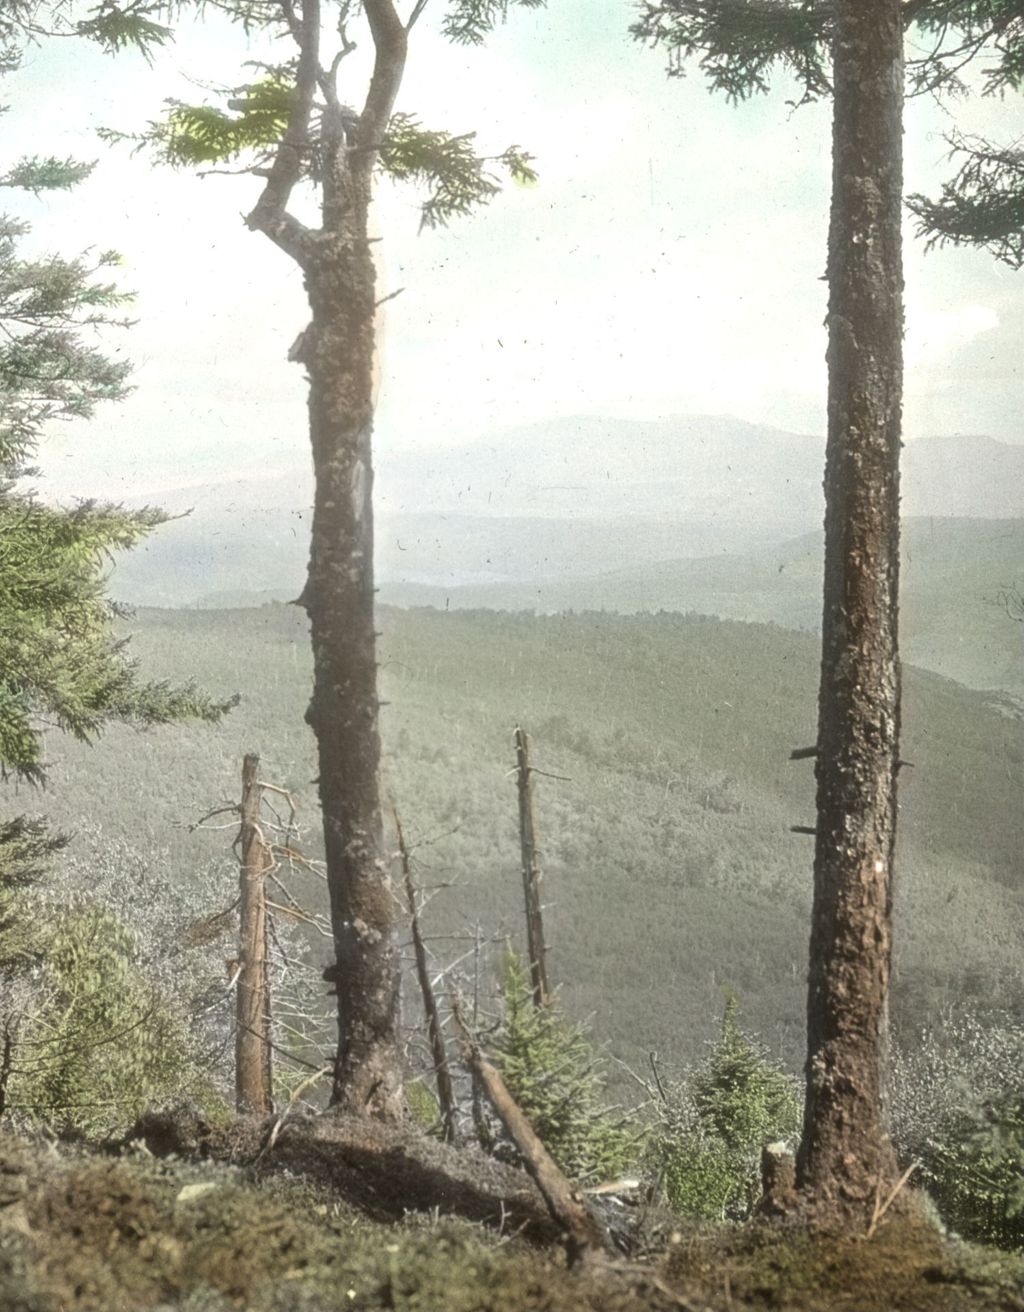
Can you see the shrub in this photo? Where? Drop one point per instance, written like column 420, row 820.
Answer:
column 958, row 1110
column 714, row 1125
column 554, row 1073
column 101, row 1043
column 422, row 1106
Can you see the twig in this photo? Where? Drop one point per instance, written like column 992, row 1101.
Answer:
column 880, row 1211
column 635, row 1077
column 417, row 10
column 297, row 1093
column 652, row 1057
column 291, row 914
column 227, row 992
column 218, row 810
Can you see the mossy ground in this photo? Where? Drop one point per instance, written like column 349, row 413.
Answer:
column 904, row 1265
column 87, row 1233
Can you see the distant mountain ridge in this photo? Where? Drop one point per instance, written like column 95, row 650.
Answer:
column 693, row 468
column 548, row 501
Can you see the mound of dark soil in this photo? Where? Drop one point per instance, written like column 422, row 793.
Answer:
column 83, row 1232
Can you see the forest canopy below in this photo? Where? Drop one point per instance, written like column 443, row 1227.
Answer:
column 669, row 842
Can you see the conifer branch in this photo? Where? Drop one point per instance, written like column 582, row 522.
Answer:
column 983, row 205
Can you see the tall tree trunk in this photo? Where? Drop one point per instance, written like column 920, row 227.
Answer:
column 338, row 351
column 845, row 1154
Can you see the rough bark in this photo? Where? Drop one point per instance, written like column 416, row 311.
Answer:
column 253, row 1075
column 535, row 946
column 337, row 350
column 845, row 1155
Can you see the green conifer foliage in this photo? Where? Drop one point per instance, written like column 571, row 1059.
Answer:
column 738, row 45
column 958, row 1112
column 102, row 1044
column 61, row 661
column 708, row 1151
column 59, row 655
column 973, row 1165
column 25, row 851
column 554, row 1074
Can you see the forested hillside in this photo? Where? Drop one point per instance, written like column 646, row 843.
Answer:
column 671, row 871
column 954, row 575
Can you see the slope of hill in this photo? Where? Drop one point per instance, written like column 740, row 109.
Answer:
column 952, row 619
column 671, row 870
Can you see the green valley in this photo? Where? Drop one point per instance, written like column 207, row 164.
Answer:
column 671, row 871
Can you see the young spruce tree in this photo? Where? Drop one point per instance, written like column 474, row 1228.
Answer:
column 553, row 1072
column 707, row 1149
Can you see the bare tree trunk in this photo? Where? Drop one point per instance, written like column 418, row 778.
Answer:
column 532, row 875
column 445, row 1092
column 845, row 1155
column 337, row 349
column 253, row 1076
column 483, row 1130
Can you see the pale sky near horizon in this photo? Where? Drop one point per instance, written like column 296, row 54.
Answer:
column 668, row 262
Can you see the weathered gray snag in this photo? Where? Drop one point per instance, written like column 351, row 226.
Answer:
column 435, row 1035
column 532, row 875
column 845, row 1155
column 253, row 1073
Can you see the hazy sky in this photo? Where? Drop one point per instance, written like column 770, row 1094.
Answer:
column 669, row 260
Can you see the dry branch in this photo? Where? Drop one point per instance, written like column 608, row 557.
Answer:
column 252, row 1038
column 445, row 1092
column 536, row 947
